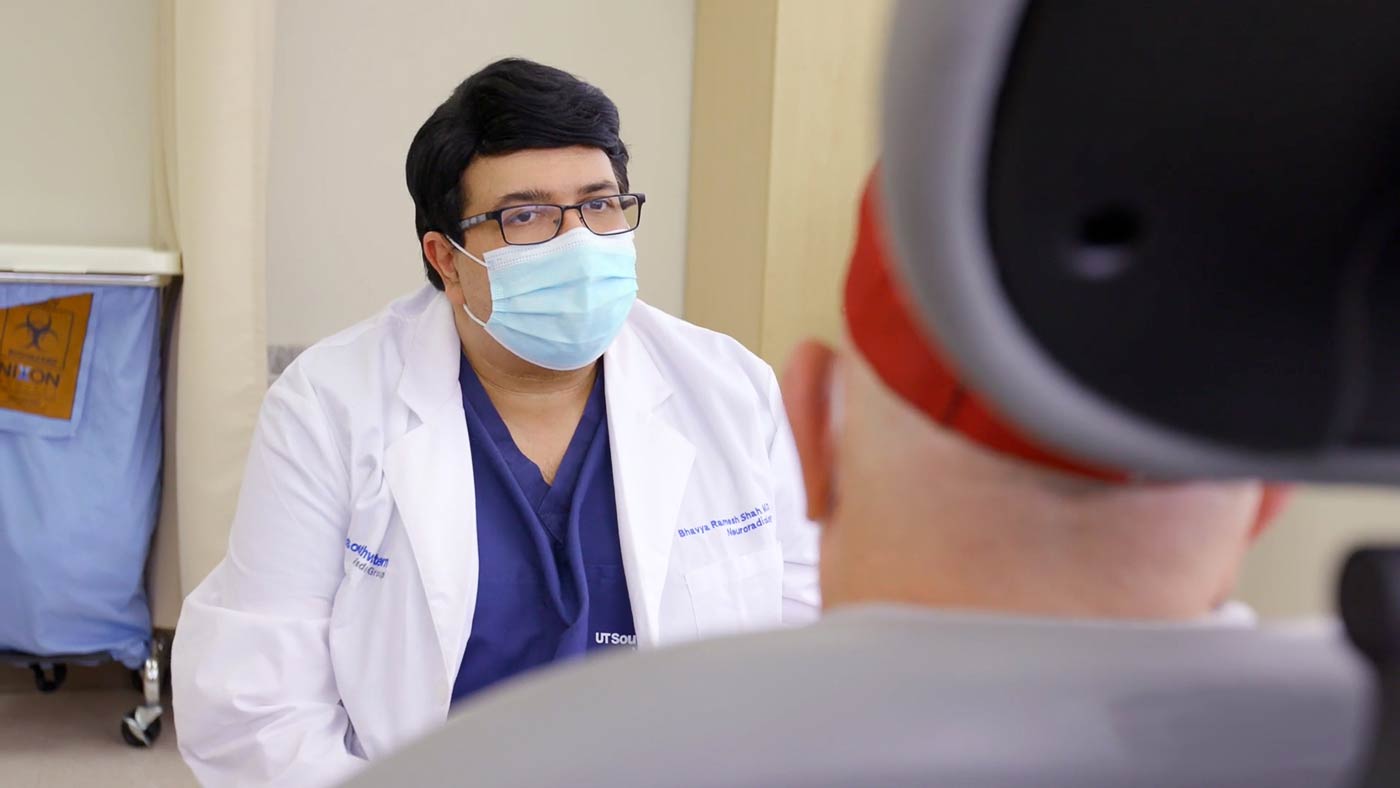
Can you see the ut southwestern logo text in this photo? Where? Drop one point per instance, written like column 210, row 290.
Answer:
column 370, row 563
column 614, row 639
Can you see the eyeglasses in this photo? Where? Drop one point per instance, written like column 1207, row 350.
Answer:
column 524, row 225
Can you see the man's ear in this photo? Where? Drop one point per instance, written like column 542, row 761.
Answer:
column 807, row 396
column 439, row 252
column 1271, row 504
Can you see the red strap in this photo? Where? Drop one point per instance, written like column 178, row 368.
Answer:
column 880, row 323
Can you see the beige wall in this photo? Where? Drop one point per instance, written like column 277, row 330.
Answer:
column 76, row 82
column 354, row 80
column 825, row 132
column 1293, row 571
column 784, row 134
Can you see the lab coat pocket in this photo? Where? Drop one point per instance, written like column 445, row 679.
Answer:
column 738, row 594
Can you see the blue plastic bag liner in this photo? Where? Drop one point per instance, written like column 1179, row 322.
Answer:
column 78, row 490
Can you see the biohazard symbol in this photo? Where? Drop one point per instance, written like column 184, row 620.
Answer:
column 37, row 333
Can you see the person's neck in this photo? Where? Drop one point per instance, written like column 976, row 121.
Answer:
column 520, row 389
column 963, row 579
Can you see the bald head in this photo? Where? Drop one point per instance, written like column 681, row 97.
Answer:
column 914, row 513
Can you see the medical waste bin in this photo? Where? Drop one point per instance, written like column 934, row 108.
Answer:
column 80, row 463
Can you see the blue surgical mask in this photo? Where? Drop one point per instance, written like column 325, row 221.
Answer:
column 559, row 304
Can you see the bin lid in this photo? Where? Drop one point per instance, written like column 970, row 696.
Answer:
column 129, row 260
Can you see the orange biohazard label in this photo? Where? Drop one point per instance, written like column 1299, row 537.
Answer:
column 41, row 350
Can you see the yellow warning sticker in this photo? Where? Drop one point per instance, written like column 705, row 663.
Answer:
column 41, row 351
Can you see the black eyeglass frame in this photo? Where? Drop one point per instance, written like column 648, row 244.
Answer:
column 495, row 216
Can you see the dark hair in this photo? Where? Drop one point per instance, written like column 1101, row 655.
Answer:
column 510, row 105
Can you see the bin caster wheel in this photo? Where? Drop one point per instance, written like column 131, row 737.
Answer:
column 138, row 733
column 50, row 681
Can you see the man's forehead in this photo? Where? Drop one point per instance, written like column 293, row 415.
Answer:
column 559, row 173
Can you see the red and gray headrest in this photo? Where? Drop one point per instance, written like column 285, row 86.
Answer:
column 1162, row 238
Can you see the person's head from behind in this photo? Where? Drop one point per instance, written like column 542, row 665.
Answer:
column 520, row 157
column 927, row 497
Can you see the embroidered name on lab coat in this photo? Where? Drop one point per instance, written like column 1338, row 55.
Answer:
column 741, row 523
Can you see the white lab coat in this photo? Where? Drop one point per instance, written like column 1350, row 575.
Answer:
column 333, row 629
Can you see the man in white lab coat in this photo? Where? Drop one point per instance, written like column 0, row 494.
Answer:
column 516, row 466
column 999, row 615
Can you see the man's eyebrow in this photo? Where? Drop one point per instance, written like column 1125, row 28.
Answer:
column 598, row 186
column 534, row 196
column 526, row 197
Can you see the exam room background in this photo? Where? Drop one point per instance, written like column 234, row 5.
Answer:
column 751, row 127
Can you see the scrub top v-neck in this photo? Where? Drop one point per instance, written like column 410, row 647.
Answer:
column 551, row 583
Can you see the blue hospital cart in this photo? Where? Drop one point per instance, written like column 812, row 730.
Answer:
column 83, row 333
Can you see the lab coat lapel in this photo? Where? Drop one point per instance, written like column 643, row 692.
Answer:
column 651, row 469
column 429, row 470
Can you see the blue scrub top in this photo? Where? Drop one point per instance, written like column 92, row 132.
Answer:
column 551, row 580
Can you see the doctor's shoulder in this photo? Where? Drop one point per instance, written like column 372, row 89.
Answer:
column 347, row 376
column 706, row 365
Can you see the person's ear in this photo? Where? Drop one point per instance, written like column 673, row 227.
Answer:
column 441, row 255
column 1273, row 501
column 807, row 385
